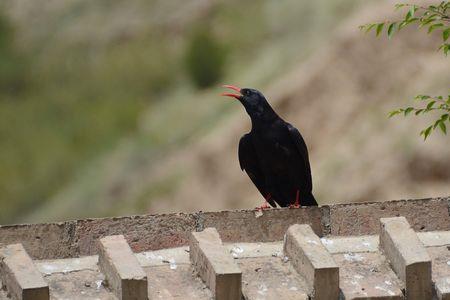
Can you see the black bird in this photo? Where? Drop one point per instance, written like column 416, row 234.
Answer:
column 273, row 154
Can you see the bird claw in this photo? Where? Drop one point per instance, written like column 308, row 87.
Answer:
column 297, row 201
column 263, row 207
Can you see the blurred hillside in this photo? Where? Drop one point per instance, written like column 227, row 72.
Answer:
column 104, row 119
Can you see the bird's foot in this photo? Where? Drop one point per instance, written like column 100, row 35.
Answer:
column 297, row 201
column 263, row 207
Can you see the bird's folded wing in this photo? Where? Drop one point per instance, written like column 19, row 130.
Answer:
column 249, row 162
column 303, row 151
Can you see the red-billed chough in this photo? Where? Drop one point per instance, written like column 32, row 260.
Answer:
column 273, row 154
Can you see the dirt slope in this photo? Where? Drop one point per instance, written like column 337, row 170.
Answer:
column 339, row 99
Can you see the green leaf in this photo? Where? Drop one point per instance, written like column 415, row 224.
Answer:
column 430, row 104
column 426, row 22
column 393, row 113
column 402, row 24
column 419, row 111
column 426, row 132
column 446, row 34
column 436, row 123
column 445, row 48
column 368, row 27
column 411, row 20
column 412, row 10
column 443, row 127
column 379, row 28
column 399, row 5
column 434, row 26
column 408, row 15
column 422, row 97
column 444, row 117
column 408, row 110
column 391, row 29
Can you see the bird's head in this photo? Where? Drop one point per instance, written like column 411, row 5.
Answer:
column 253, row 100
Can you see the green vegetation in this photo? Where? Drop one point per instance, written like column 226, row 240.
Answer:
column 12, row 65
column 77, row 101
column 205, row 59
column 98, row 93
column 433, row 18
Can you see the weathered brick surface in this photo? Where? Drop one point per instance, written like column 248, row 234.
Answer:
column 143, row 233
column 273, row 279
column 443, row 288
column 215, row 265
column 121, row 268
column 367, row 276
column 311, row 259
column 407, row 256
column 353, row 244
column 20, row 276
column 152, row 232
column 440, row 258
column 363, row 218
column 179, row 284
column 248, row 226
column 434, row 238
column 47, row 240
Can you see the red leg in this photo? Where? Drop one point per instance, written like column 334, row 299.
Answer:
column 265, row 204
column 297, row 201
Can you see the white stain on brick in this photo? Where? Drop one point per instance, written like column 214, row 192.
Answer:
column 258, row 213
column 326, row 241
column 262, row 289
column 172, row 264
column 48, row 269
column 236, row 251
column 277, row 254
column 150, row 255
column 353, row 257
column 99, row 283
column 391, row 293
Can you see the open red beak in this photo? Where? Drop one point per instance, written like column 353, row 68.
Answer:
column 237, row 96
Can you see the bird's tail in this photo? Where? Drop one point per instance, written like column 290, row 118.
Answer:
column 308, row 200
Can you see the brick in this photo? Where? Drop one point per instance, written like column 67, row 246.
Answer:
column 407, row 256
column 367, row 243
column 42, row 241
column 20, row 276
column 246, row 226
column 312, row 260
column 363, row 218
column 121, row 268
column 215, row 265
column 440, row 258
column 434, row 238
column 271, row 278
column 143, row 233
column 367, row 276
column 443, row 288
